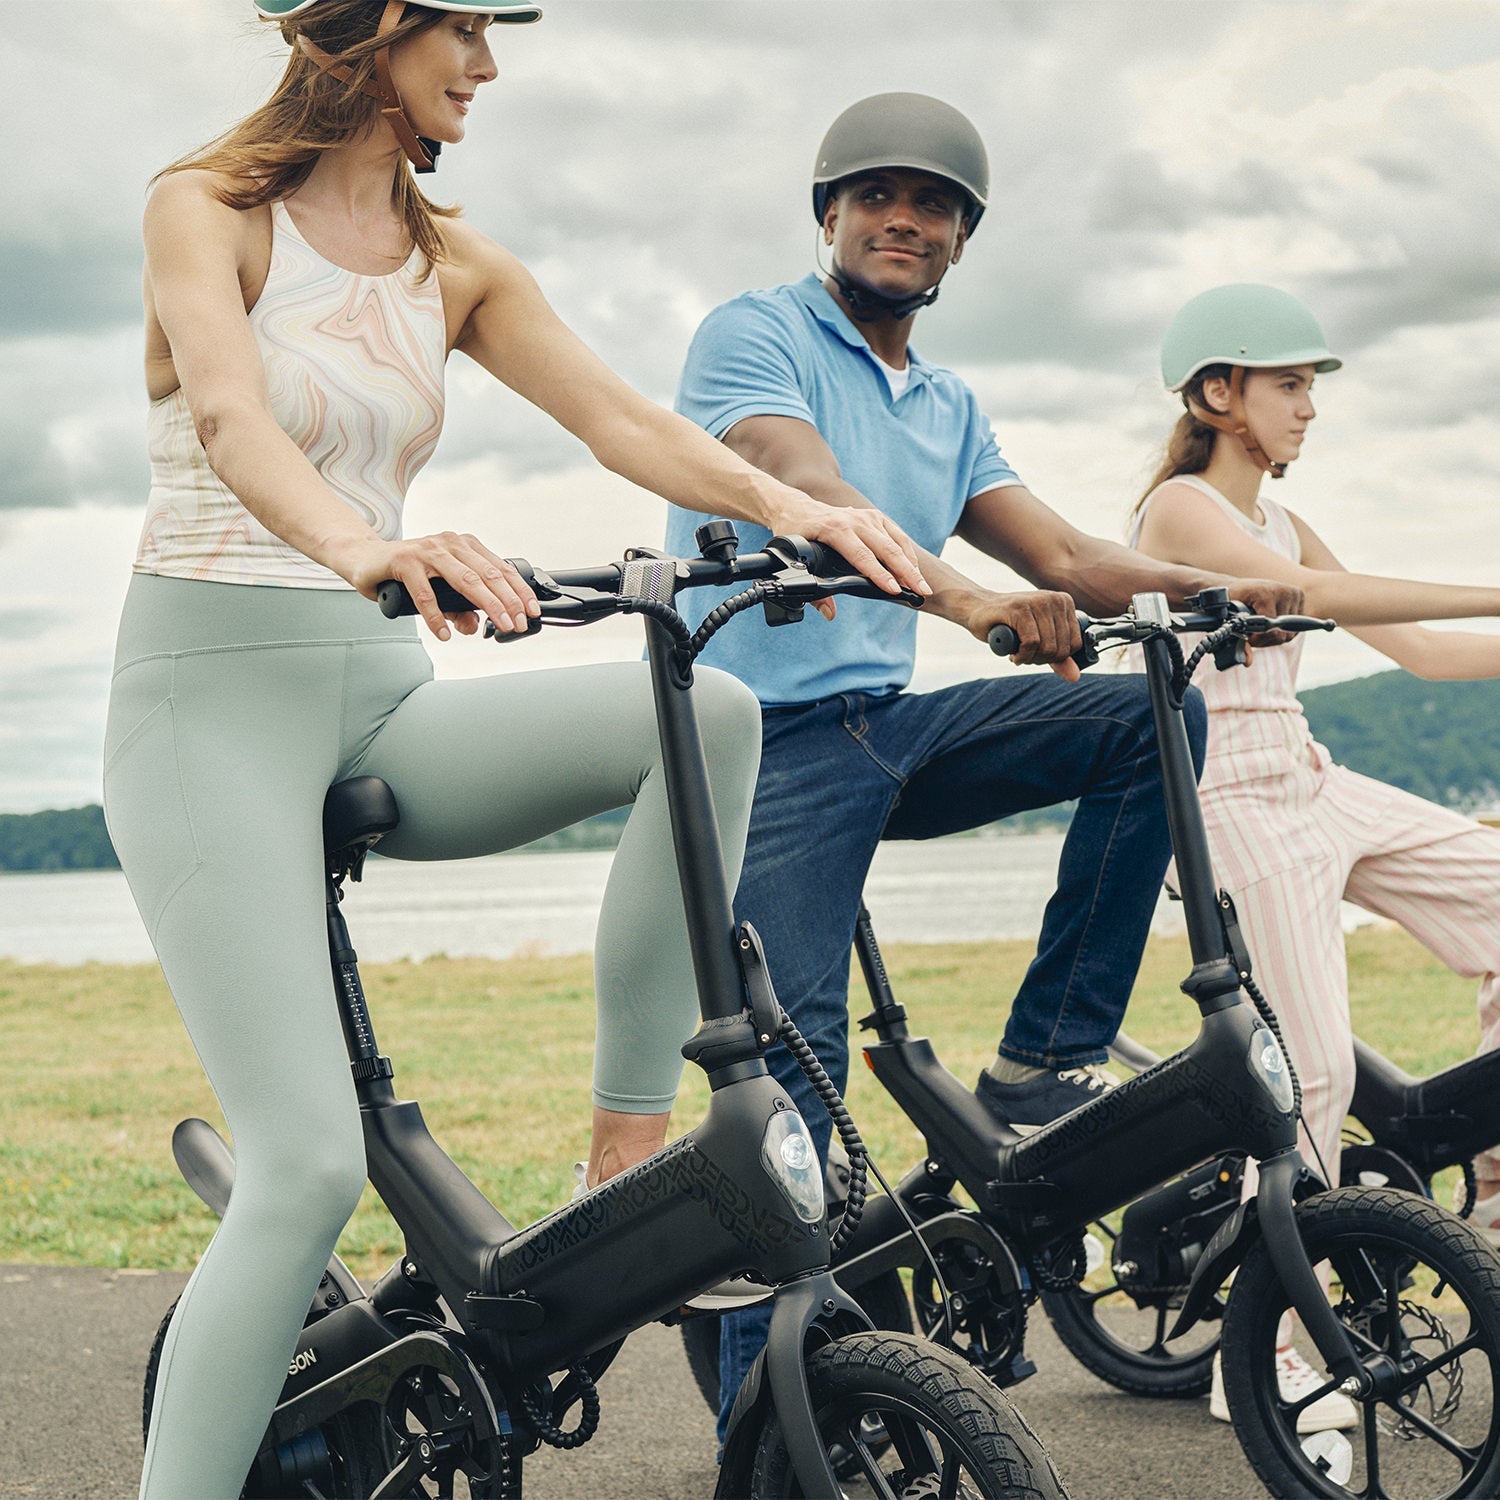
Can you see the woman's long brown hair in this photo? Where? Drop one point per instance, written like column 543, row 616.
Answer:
column 1190, row 444
column 268, row 155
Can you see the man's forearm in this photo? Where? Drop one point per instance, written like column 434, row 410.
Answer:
column 1104, row 576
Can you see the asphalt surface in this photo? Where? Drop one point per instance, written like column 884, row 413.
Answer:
column 73, row 1346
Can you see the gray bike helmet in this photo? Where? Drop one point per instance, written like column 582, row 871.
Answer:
column 1246, row 326
column 904, row 130
column 421, row 152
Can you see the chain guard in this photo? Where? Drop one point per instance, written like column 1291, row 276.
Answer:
column 989, row 1322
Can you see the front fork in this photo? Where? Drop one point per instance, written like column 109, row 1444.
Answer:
column 805, row 1315
column 1277, row 1211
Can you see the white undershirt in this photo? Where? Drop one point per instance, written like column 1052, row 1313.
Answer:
column 898, row 380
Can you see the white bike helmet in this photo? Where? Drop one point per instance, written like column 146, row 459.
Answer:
column 420, row 151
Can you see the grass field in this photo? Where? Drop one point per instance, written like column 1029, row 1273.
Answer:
column 99, row 1070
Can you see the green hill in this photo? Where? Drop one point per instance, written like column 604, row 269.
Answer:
column 61, row 839
column 75, row 839
column 1440, row 740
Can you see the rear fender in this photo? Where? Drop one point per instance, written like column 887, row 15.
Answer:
column 206, row 1162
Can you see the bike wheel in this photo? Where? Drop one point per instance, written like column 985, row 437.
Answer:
column 944, row 1430
column 883, row 1298
column 1419, row 1292
column 1118, row 1331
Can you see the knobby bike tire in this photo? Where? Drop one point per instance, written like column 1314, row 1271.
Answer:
column 918, row 1395
column 1388, row 1251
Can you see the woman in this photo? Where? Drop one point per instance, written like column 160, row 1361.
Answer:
column 301, row 298
column 1293, row 834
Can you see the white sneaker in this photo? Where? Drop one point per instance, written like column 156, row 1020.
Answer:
column 1333, row 1412
column 1486, row 1215
column 580, row 1182
column 1218, row 1407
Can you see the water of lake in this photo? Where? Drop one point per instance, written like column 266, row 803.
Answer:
column 942, row 890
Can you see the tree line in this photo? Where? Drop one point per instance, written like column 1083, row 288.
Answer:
column 1436, row 739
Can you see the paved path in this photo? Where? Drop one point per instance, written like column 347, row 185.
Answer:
column 73, row 1343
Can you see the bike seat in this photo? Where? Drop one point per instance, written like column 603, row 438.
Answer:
column 356, row 813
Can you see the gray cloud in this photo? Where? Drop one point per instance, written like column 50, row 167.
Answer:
column 71, row 422
column 649, row 158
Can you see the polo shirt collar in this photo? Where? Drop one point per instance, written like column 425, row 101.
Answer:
column 820, row 303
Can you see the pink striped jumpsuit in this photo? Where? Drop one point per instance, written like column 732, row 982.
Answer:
column 1292, row 834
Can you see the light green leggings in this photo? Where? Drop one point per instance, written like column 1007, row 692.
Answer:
column 233, row 710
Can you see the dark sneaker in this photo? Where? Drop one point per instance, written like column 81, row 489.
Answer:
column 1041, row 1100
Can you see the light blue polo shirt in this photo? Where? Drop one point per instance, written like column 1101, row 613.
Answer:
column 920, row 457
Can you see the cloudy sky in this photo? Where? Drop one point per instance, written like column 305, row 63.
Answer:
column 649, row 158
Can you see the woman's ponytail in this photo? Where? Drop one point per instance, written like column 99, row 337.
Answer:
column 1190, row 444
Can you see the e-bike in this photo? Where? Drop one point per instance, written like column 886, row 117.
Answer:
column 1403, row 1132
column 1410, row 1328
column 475, row 1346
column 1413, row 1128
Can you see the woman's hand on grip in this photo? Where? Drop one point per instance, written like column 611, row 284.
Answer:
column 463, row 561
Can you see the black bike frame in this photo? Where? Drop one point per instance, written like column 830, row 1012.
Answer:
column 1211, row 1097
column 1431, row 1123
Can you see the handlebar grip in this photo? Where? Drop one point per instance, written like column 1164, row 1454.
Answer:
column 1002, row 640
column 826, row 563
column 395, row 599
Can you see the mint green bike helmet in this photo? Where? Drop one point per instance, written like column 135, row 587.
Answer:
column 1257, row 327
column 280, row 10
column 421, row 152
column 1246, row 326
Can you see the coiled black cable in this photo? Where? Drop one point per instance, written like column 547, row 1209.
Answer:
column 859, row 1157
column 723, row 613
column 664, row 615
column 588, row 1417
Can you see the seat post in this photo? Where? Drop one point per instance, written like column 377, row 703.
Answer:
column 372, row 1072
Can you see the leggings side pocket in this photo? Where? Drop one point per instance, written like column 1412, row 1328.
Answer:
column 144, row 805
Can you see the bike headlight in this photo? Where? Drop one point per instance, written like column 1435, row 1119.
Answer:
column 792, row 1159
column 1267, row 1063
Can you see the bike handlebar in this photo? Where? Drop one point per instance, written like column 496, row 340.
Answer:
column 802, row 571
column 1003, row 640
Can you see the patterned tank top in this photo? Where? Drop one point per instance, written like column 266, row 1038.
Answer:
column 354, row 369
column 1256, row 727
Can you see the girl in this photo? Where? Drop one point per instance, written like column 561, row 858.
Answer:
column 1292, row 833
column 301, row 298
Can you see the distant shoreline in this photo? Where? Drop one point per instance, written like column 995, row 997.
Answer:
column 1434, row 739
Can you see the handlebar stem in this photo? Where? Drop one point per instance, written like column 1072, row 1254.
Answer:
column 1195, row 879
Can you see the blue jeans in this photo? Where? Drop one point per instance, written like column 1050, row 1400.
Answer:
column 839, row 775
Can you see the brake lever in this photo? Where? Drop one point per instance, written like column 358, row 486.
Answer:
column 787, row 596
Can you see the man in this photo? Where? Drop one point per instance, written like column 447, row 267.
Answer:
column 816, row 383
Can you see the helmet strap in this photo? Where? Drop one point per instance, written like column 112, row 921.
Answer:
column 419, row 150
column 867, row 304
column 1235, row 422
